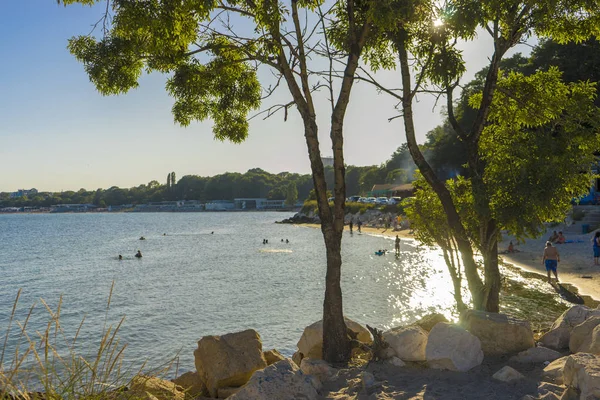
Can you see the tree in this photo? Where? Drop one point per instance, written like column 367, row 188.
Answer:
column 439, row 66
column 168, row 182
column 213, row 74
column 291, row 194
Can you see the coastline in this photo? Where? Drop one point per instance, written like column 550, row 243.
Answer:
column 576, row 257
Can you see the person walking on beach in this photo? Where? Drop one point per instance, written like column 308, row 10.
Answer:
column 397, row 245
column 350, row 226
column 550, row 260
column 359, row 224
column 596, row 240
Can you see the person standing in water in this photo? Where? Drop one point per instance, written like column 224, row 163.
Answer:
column 397, row 245
column 550, row 260
column 138, row 254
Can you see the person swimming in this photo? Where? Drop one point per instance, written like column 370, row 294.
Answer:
column 380, row 252
column 142, row 238
column 120, row 257
column 287, row 241
column 138, row 254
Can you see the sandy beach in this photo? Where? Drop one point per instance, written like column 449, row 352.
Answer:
column 577, row 262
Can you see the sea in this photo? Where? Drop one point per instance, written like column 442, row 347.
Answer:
column 205, row 273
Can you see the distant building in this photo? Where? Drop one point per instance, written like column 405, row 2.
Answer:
column 220, row 205
column 327, row 161
column 391, row 190
column 258, row 204
column 61, row 208
column 23, row 192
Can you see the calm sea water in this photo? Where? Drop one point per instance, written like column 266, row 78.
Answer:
column 193, row 282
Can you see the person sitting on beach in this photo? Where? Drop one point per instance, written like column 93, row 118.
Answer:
column 560, row 239
column 550, row 260
column 553, row 237
column 138, row 254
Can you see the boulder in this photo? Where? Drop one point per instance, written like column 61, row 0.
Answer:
column 297, row 358
column 508, row 374
column 318, row 368
column 225, row 392
column 536, row 355
column 192, row 384
column 151, row 388
column 545, row 387
column 430, row 320
column 582, row 371
column 228, row 360
column 559, row 334
column 272, row 356
column 408, row 342
column 451, row 347
column 499, row 333
column 582, row 336
column 396, row 361
column 280, row 381
column 554, row 370
column 311, row 342
column 368, row 381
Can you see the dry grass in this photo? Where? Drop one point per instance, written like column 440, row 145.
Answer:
column 46, row 364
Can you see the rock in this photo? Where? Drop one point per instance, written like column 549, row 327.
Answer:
column 272, row 356
column 368, row 381
column 570, row 394
column 582, row 371
column 582, row 336
column 228, row 360
column 146, row 387
column 388, row 353
column 544, row 388
column 192, row 384
column 429, row 321
column 318, row 368
column 396, row 361
column 536, row 355
column 311, row 342
column 408, row 343
column 559, row 335
column 280, row 381
column 225, row 392
column 508, row 374
column 499, row 333
column 451, row 347
column 297, row 358
column 554, row 370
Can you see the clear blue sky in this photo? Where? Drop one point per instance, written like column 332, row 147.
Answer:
column 58, row 133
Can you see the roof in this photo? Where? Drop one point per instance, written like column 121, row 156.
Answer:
column 395, row 188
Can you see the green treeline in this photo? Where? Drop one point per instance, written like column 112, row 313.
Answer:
column 444, row 151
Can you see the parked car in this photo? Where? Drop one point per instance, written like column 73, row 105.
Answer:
column 372, row 200
column 331, row 199
column 363, row 200
column 353, row 199
column 381, row 201
column 394, row 200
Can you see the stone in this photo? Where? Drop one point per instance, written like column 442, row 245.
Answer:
column 536, row 355
column 430, row 320
column 545, row 387
column 280, row 381
column 192, row 384
column 311, row 341
column 452, row 347
column 508, row 374
column 560, row 332
column 272, row 356
column 225, row 392
column 396, row 361
column 368, row 381
column 151, row 388
column 297, row 358
column 554, row 370
column 499, row 334
column 570, row 394
column 582, row 371
column 318, row 368
column 228, row 360
column 408, row 343
column 581, row 335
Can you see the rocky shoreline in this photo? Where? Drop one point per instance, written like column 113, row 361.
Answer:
column 485, row 355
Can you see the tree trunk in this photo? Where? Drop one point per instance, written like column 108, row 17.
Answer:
column 474, row 281
column 493, row 280
column 456, row 279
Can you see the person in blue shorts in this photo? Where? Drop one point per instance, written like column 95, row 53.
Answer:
column 596, row 240
column 550, row 260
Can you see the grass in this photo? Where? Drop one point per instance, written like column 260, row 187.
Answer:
column 47, row 365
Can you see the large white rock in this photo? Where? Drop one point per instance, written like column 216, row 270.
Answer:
column 582, row 371
column 318, row 368
column 583, row 335
column 311, row 341
column 228, row 360
column 499, row 333
column 554, row 370
column 536, row 355
column 280, row 381
column 408, row 342
column 560, row 332
column 508, row 374
column 451, row 347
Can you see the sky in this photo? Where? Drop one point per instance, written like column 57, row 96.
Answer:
column 58, row 133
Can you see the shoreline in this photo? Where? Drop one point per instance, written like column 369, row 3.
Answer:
column 576, row 268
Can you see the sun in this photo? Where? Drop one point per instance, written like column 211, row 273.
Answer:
column 438, row 22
